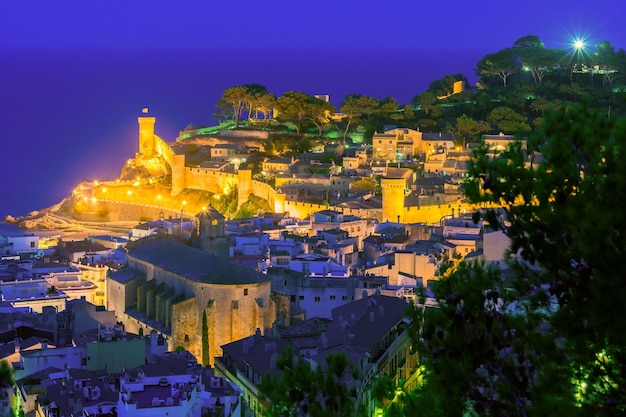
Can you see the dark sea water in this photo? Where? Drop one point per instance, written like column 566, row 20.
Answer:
column 71, row 115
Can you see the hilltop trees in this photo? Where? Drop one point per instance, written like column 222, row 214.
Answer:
column 534, row 57
column 249, row 99
column 297, row 107
column 232, row 103
column 357, row 108
column 512, row 96
column 500, row 64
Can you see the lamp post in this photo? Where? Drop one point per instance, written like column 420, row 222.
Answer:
column 182, row 216
column 161, row 214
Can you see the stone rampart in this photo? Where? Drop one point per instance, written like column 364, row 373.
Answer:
column 209, row 180
column 245, row 134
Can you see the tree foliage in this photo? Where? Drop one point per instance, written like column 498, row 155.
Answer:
column 358, row 108
column 534, row 57
column 303, row 388
column 6, row 374
column 477, row 344
column 563, row 216
column 205, row 340
column 508, row 120
column 500, row 64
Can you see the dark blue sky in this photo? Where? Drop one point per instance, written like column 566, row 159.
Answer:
column 403, row 24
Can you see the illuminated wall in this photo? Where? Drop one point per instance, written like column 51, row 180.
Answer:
column 218, row 182
column 393, row 199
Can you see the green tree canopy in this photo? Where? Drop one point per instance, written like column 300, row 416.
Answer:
column 500, row 64
column 293, row 106
column 305, row 388
column 470, row 128
column 508, row 120
column 232, row 103
column 358, row 108
column 445, row 85
column 535, row 58
column 563, row 215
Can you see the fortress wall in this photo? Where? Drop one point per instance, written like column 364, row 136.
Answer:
column 263, row 190
column 122, row 211
column 244, row 134
column 362, row 213
column 163, row 149
column 433, row 213
column 303, row 210
column 208, row 180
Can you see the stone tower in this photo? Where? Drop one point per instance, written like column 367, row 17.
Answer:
column 244, row 186
column 146, row 134
column 393, row 199
column 210, row 235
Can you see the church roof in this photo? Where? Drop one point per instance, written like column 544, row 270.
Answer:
column 193, row 263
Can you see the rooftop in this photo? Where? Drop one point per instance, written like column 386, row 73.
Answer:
column 193, row 263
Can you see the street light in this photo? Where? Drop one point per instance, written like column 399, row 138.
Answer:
column 161, row 214
column 182, row 214
column 579, row 44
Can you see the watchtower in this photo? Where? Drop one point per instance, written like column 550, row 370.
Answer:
column 146, row 133
column 393, row 199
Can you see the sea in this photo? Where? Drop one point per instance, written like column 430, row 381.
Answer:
column 70, row 115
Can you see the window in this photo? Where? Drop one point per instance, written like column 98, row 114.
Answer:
column 245, row 291
column 186, row 338
column 332, row 297
column 293, row 298
column 285, row 283
column 32, row 244
column 235, row 304
column 301, row 297
column 317, row 299
column 344, row 297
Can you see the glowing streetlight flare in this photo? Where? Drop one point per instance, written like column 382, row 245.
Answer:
column 579, row 44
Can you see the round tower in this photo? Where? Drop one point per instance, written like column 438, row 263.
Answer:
column 244, row 186
column 146, row 133
column 393, row 199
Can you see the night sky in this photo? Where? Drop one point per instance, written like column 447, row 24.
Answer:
column 74, row 73
column 402, row 24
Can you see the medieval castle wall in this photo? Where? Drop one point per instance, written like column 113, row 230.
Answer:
column 393, row 205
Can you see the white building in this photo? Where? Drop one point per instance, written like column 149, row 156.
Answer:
column 171, row 395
